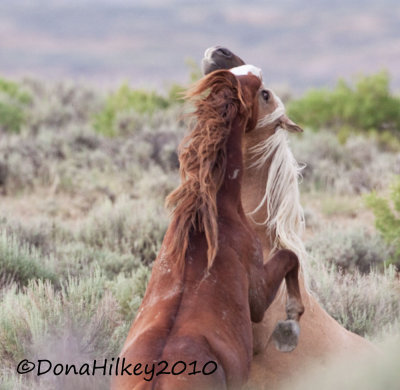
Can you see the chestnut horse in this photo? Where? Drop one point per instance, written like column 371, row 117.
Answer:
column 270, row 196
column 193, row 329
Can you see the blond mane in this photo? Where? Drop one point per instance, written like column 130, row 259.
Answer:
column 285, row 216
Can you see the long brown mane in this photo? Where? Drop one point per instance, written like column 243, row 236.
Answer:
column 202, row 157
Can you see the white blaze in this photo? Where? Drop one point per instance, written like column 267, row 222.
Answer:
column 244, row 70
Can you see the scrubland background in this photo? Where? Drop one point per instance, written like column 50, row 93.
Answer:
column 83, row 177
column 84, row 169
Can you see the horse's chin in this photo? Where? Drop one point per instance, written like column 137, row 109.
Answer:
column 208, row 66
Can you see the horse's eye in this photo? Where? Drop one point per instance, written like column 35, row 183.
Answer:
column 265, row 94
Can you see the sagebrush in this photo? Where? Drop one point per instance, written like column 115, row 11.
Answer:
column 82, row 220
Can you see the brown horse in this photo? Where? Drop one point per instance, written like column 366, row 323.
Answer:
column 193, row 329
column 270, row 195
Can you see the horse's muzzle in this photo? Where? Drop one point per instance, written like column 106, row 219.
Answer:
column 218, row 57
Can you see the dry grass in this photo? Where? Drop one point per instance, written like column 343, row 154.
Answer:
column 82, row 218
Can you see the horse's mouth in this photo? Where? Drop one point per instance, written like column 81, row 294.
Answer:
column 218, row 57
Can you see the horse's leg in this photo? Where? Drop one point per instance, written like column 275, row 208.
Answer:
column 284, row 264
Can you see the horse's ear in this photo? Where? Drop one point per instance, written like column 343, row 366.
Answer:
column 250, row 82
column 289, row 125
column 254, row 84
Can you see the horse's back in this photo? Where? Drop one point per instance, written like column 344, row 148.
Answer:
column 177, row 357
column 187, row 317
column 184, row 363
column 192, row 363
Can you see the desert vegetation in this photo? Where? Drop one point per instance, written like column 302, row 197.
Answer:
column 83, row 178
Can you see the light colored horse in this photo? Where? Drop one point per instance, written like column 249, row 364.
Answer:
column 270, row 195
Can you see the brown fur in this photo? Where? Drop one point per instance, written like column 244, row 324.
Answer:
column 203, row 162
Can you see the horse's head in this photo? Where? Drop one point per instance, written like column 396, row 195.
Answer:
column 250, row 79
column 229, row 94
column 271, row 111
column 267, row 151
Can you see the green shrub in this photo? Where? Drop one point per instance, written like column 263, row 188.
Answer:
column 347, row 206
column 177, row 91
column 38, row 234
column 349, row 249
column 124, row 100
column 386, row 140
column 368, row 305
column 29, row 317
column 128, row 227
column 124, row 109
column 57, row 105
column 88, row 318
column 21, row 263
column 129, row 292
column 356, row 167
column 387, row 219
column 367, row 105
column 11, row 380
column 13, row 104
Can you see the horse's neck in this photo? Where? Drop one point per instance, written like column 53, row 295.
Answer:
column 253, row 187
column 253, row 190
column 230, row 191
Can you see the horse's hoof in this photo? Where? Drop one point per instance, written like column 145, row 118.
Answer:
column 286, row 335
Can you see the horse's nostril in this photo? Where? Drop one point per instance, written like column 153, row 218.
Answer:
column 224, row 52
